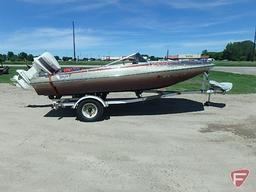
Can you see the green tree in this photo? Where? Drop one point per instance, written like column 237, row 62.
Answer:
column 152, row 58
column 30, row 57
column 11, row 56
column 238, row 51
column 205, row 52
column 216, row 55
column 57, row 58
column 66, row 58
column 22, row 56
column 1, row 59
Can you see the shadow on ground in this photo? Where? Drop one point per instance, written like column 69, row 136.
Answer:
column 39, row 106
column 217, row 105
column 154, row 107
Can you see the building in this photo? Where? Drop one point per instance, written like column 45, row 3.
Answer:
column 185, row 57
column 111, row 58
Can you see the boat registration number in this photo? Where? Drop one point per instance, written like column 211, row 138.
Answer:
column 63, row 76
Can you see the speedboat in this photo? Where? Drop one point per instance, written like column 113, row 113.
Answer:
column 85, row 90
column 131, row 73
column 4, row 70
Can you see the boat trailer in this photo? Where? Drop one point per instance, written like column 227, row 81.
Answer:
column 90, row 108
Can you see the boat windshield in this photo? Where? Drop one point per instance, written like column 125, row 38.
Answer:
column 134, row 59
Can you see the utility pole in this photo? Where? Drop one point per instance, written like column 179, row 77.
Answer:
column 167, row 54
column 254, row 46
column 74, row 41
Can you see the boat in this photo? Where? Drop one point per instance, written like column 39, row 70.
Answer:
column 85, row 90
column 131, row 73
column 4, row 70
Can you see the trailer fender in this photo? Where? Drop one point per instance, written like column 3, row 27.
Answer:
column 90, row 97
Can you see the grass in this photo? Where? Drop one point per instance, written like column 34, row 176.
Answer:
column 5, row 78
column 17, row 62
column 235, row 63
column 242, row 83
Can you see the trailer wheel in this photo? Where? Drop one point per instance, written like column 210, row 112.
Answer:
column 90, row 110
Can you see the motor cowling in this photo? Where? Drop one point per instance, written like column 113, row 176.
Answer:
column 45, row 63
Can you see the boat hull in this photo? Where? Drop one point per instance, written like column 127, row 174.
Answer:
column 4, row 70
column 117, row 81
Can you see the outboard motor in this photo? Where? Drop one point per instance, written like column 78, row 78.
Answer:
column 45, row 63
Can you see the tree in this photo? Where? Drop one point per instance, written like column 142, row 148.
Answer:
column 238, row 51
column 11, row 56
column 22, row 56
column 66, row 58
column 57, row 58
column 205, row 52
column 30, row 57
column 152, row 58
column 1, row 59
column 215, row 55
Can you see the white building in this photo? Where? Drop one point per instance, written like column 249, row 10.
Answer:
column 185, row 57
column 111, row 58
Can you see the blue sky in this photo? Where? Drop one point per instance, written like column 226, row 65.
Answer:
column 121, row 27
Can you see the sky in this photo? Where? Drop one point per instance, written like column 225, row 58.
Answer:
column 122, row 27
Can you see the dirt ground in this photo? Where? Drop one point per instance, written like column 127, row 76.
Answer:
column 173, row 144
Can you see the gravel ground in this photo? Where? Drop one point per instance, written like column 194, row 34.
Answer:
column 175, row 144
column 237, row 70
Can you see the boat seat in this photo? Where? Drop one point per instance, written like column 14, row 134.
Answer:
column 223, row 86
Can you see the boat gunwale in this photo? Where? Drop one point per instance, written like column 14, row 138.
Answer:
column 105, row 67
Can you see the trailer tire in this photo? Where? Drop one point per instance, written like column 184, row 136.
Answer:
column 90, row 110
